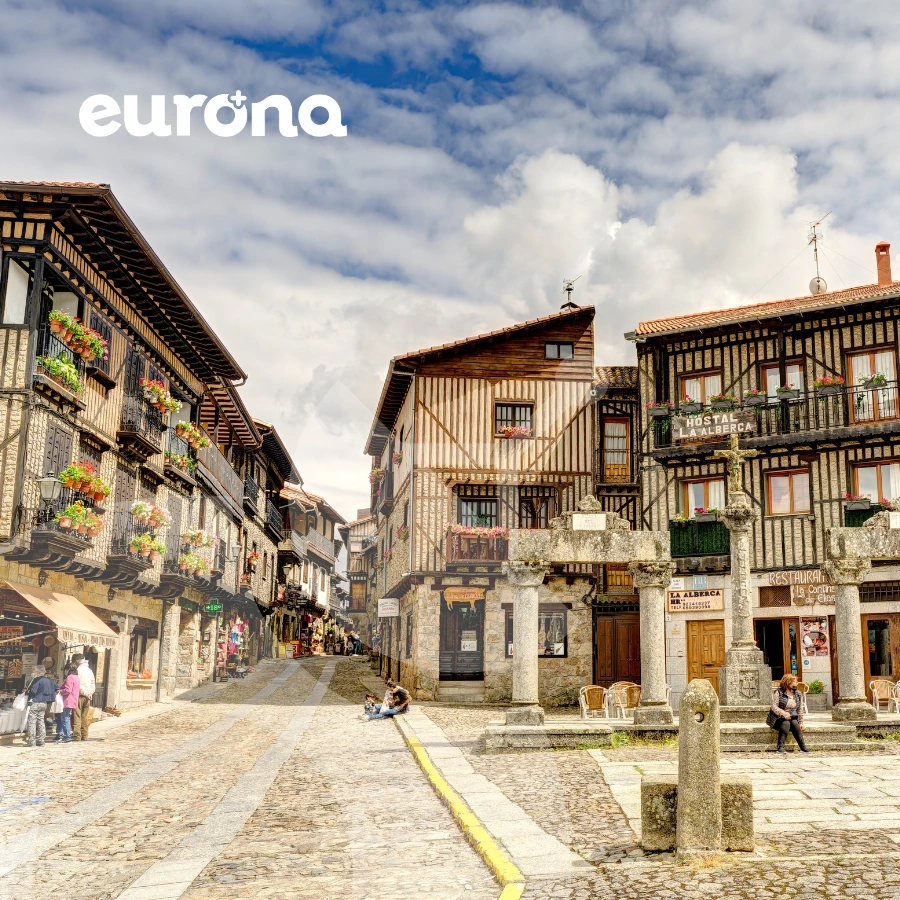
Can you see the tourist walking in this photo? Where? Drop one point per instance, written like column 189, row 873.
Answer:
column 81, row 715
column 786, row 714
column 69, row 690
column 42, row 693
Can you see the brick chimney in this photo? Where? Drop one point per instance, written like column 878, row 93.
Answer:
column 883, row 261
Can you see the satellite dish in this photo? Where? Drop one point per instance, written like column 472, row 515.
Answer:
column 817, row 285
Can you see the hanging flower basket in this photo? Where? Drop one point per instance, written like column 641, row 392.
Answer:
column 878, row 380
column 858, row 502
column 660, row 410
column 722, row 401
column 757, row 399
column 690, row 408
column 829, row 385
column 706, row 515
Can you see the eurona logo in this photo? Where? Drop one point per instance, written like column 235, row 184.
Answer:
column 99, row 115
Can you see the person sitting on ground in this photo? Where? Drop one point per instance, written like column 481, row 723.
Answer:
column 399, row 704
column 372, row 706
column 786, row 714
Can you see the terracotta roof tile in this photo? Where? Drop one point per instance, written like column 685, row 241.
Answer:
column 55, row 184
column 758, row 311
column 617, row 376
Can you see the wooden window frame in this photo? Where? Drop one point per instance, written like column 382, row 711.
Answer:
column 875, row 399
column 873, row 465
column 548, row 497
column 686, row 508
column 516, row 404
column 4, row 278
column 558, row 345
column 703, row 374
column 790, row 473
column 765, row 367
column 543, row 609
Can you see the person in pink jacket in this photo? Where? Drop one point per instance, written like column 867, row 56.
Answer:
column 69, row 691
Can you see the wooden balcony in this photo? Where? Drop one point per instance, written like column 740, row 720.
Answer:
column 475, row 550
column 386, row 493
column 218, row 471
column 317, row 541
column 293, row 544
column 54, row 386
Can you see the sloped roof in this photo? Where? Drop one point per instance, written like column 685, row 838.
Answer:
column 276, row 450
column 107, row 229
column 308, row 498
column 758, row 312
column 617, row 376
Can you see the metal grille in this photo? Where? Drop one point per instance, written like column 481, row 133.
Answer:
column 770, row 597
column 879, row 591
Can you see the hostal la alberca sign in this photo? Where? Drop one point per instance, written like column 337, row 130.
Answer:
column 713, row 425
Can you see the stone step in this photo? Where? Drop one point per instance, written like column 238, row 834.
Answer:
column 816, row 748
column 461, row 691
column 761, row 737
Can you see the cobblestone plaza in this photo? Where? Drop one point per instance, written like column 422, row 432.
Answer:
column 273, row 787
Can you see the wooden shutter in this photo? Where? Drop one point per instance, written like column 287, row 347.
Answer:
column 104, row 329
column 57, row 451
column 134, row 372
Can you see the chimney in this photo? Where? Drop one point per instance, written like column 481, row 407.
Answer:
column 883, row 261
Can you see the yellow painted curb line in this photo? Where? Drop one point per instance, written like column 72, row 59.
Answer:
column 506, row 872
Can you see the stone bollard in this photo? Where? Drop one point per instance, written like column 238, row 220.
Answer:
column 699, row 822
column 697, row 811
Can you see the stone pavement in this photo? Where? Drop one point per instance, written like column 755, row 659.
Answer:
column 271, row 787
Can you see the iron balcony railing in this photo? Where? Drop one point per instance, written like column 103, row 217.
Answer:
column 699, row 539
column 273, row 520
column 49, row 345
column 124, row 528
column 251, row 491
column 43, row 518
column 845, row 406
column 471, row 548
column 217, row 468
column 139, row 417
column 318, row 540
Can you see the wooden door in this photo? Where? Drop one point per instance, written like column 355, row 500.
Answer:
column 617, row 649
column 462, row 642
column 881, row 646
column 706, row 650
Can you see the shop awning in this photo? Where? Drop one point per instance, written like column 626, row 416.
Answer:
column 76, row 624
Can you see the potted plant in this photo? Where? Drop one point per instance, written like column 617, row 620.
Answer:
column 252, row 560
column 515, row 431
column 787, row 392
column 829, row 384
column 140, row 509
column 159, row 518
column 62, row 370
column 702, row 514
column 756, row 397
column 157, row 548
column 816, row 698
column 376, row 476
column 722, row 401
column 858, row 501
column 878, row 380
column 397, row 457
column 403, row 532
column 660, row 409
column 141, row 544
column 680, row 520
column 689, row 407
column 60, row 322
column 192, row 434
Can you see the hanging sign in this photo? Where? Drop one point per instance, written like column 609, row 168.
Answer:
column 808, row 586
column 695, row 601
column 462, row 595
column 688, row 429
column 388, row 607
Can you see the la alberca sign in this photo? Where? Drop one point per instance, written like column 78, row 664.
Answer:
column 223, row 115
column 713, row 425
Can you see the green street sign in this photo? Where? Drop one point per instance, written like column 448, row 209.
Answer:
column 212, row 607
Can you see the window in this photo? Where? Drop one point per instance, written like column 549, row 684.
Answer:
column 700, row 388
column 618, row 579
column 872, row 405
column 793, row 375
column 265, row 565
column 137, row 653
column 409, row 634
column 552, row 632
column 706, row 494
column 15, row 287
column 771, row 597
column 512, row 415
column 558, row 350
column 306, row 573
column 877, row 481
column 536, row 506
column 406, row 513
column 615, row 451
column 478, row 512
column 788, row 492
column 104, row 329
column 322, row 579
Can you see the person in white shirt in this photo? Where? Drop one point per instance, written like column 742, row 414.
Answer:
column 83, row 712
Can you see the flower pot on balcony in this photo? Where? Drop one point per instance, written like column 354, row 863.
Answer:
column 859, row 504
column 55, row 326
column 871, row 384
column 65, row 523
column 721, row 405
column 705, row 517
column 179, row 429
column 659, row 412
column 756, row 400
column 690, row 409
column 829, row 390
column 788, row 395
column 81, row 529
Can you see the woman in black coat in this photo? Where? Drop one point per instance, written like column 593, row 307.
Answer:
column 786, row 714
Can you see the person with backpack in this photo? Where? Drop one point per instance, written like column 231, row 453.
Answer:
column 42, row 693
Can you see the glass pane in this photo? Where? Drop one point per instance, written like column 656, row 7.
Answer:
column 16, row 294
column 476, row 512
column 713, row 385
column 716, row 494
column 890, row 481
column 867, row 482
column 551, row 634
column 879, row 640
column 565, row 351
column 800, row 484
column 696, row 497
column 551, row 351
column 794, row 375
column 780, row 493
column 884, row 364
column 690, row 389
column 773, row 382
column 792, row 637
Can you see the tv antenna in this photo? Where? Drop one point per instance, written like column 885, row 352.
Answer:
column 568, row 288
column 817, row 285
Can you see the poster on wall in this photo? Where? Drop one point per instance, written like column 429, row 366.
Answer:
column 814, row 636
column 468, row 642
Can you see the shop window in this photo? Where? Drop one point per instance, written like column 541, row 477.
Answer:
column 137, row 654
column 559, row 350
column 788, row 492
column 700, row 388
column 16, row 279
column 409, row 634
column 878, row 481
column 615, row 451
column 771, row 597
column 513, row 415
column 552, row 632
column 536, row 506
column 708, row 493
column 793, row 377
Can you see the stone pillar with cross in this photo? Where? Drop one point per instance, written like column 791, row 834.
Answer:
column 745, row 681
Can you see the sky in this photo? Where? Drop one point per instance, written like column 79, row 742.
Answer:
column 671, row 153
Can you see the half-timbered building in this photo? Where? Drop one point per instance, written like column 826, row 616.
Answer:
column 470, row 439
column 811, row 382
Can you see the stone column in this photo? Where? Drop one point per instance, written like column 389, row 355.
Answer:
column 652, row 579
column 168, row 650
column 526, row 579
column 846, row 576
column 118, row 661
column 745, row 681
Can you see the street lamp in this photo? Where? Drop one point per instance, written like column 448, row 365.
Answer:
column 50, row 487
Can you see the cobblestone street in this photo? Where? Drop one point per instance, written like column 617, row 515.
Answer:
column 272, row 787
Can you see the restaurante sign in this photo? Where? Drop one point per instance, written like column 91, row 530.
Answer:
column 713, row 424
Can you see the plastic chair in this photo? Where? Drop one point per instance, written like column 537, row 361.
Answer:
column 895, row 698
column 803, row 689
column 882, row 692
column 592, row 700
column 625, row 695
